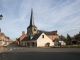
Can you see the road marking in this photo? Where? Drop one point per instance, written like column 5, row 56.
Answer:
column 13, row 48
column 3, row 55
column 10, row 49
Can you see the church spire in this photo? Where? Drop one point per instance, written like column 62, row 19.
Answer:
column 31, row 18
column 31, row 29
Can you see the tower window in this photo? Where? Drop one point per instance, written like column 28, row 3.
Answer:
column 42, row 36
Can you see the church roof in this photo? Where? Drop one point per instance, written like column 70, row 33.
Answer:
column 35, row 37
column 32, row 26
column 32, row 20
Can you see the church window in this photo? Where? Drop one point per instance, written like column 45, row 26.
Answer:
column 42, row 36
column 34, row 29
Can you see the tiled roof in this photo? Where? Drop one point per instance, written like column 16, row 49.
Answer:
column 49, row 32
column 36, row 36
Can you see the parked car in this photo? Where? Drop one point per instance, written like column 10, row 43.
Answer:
column 5, row 45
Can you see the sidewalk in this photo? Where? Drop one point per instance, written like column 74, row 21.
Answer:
column 3, row 58
column 2, row 49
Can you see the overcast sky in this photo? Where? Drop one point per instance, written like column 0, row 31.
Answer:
column 49, row 15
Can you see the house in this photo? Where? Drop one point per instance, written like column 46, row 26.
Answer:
column 3, row 39
column 35, row 37
column 38, row 40
column 59, row 41
column 21, row 37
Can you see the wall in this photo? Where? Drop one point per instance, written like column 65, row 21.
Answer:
column 63, row 43
column 2, row 40
column 42, row 41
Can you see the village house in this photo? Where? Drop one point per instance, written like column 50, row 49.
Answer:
column 35, row 37
column 3, row 39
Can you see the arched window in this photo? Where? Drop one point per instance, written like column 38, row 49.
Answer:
column 34, row 29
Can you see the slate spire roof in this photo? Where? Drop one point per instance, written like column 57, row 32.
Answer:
column 32, row 19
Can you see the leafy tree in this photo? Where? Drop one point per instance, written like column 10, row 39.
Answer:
column 77, row 38
column 62, row 38
column 69, row 39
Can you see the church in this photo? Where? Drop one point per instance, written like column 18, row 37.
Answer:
column 35, row 37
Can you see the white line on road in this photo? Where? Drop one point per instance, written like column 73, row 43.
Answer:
column 10, row 49
column 13, row 48
column 3, row 55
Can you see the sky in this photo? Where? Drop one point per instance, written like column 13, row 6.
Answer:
column 49, row 15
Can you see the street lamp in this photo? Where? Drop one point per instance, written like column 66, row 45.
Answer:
column 30, row 37
column 1, row 17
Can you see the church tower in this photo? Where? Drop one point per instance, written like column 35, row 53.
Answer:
column 32, row 29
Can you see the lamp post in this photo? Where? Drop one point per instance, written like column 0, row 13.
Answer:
column 30, row 37
column 30, row 41
column 1, row 17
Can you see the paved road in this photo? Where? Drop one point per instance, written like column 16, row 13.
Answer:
column 22, row 53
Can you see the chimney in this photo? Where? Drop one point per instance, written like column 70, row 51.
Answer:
column 23, row 32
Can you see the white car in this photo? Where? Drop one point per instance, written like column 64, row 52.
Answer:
column 5, row 45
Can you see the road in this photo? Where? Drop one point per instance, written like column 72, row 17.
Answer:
column 24, row 53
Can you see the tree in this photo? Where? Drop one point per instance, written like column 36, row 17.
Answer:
column 62, row 38
column 77, row 38
column 69, row 40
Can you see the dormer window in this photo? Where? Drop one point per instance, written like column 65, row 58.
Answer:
column 42, row 36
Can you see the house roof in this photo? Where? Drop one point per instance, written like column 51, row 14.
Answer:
column 56, row 40
column 49, row 32
column 35, row 37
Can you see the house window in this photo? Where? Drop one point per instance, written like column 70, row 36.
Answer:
column 42, row 36
column 34, row 29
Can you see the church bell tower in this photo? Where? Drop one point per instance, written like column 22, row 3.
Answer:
column 31, row 29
